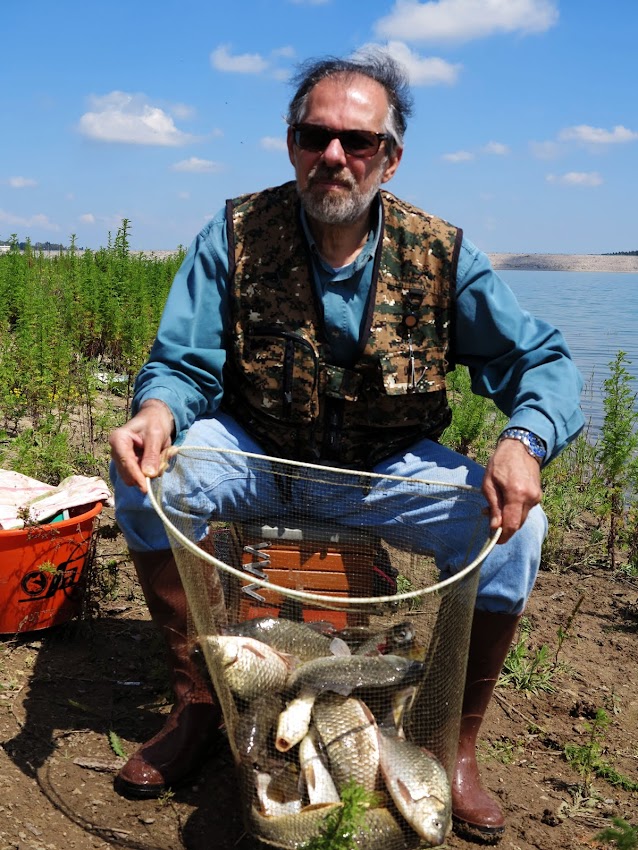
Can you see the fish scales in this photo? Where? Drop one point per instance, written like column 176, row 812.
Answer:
column 418, row 785
column 345, row 674
column 297, row 639
column 380, row 831
column 348, row 733
column 251, row 667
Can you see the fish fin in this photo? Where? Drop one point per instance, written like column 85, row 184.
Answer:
column 339, row 647
column 343, row 690
column 404, row 791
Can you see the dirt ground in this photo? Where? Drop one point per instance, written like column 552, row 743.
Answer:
column 63, row 690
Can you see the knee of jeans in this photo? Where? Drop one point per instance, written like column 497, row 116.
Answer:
column 138, row 521
column 508, row 576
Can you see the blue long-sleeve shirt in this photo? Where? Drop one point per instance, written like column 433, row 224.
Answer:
column 519, row 361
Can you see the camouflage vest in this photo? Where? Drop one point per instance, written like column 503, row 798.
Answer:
column 278, row 381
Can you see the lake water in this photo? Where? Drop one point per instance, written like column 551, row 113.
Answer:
column 598, row 316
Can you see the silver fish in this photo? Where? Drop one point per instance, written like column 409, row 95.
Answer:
column 279, row 791
column 348, row 734
column 380, row 831
column 418, row 785
column 344, row 674
column 314, row 769
column 294, row 720
column 341, row 675
column 251, row 668
column 297, row 639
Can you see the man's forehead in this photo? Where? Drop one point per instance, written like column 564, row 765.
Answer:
column 355, row 90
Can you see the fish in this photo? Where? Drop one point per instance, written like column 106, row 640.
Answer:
column 379, row 831
column 345, row 674
column 320, row 785
column 418, row 785
column 294, row 721
column 397, row 639
column 339, row 674
column 348, row 734
column 279, row 791
column 251, row 668
column 297, row 639
column 254, row 727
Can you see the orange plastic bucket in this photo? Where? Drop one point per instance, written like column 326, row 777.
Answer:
column 41, row 571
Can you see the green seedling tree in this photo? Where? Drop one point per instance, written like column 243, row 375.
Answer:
column 587, row 758
column 341, row 824
column 618, row 445
column 622, row 834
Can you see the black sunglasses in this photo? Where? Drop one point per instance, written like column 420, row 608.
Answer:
column 363, row 143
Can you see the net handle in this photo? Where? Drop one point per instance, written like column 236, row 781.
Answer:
column 334, row 602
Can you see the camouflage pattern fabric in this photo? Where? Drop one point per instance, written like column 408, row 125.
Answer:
column 278, row 380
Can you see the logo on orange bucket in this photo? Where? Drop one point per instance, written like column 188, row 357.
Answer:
column 41, row 584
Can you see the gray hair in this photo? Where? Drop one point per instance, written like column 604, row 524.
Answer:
column 376, row 65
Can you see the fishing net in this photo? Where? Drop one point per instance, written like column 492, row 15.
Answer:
column 333, row 610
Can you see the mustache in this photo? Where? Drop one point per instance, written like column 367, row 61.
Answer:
column 340, row 175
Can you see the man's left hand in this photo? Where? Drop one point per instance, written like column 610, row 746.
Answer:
column 512, row 487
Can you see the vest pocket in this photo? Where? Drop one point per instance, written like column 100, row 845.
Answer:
column 282, row 369
column 424, row 372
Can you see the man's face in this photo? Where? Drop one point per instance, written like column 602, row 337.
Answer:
column 336, row 187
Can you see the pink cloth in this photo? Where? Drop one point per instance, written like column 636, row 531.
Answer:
column 19, row 493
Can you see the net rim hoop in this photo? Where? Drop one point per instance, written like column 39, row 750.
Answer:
column 332, row 601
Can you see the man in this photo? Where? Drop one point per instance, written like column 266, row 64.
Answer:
column 382, row 295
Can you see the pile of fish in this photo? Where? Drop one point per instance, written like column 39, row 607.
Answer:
column 318, row 711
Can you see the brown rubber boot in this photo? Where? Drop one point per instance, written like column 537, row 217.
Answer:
column 476, row 814
column 173, row 755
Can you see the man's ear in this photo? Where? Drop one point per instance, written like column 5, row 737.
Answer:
column 392, row 164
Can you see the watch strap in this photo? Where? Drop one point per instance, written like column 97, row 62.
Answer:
column 534, row 445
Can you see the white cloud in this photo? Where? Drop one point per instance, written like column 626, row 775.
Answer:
column 87, row 218
column 184, row 196
column 285, row 52
column 130, row 119
column 545, row 150
column 21, row 182
column 458, row 156
column 37, row 220
column 182, row 111
column 464, row 20
column 495, row 148
column 576, row 178
column 243, row 63
column 273, row 143
column 597, row 136
column 197, row 165
column 422, row 71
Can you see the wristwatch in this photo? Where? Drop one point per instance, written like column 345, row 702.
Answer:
column 534, row 445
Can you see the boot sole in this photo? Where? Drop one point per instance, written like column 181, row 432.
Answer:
column 475, row 832
column 138, row 792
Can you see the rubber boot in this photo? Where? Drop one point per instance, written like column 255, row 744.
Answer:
column 476, row 814
column 174, row 755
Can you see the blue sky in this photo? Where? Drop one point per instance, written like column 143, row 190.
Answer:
column 525, row 130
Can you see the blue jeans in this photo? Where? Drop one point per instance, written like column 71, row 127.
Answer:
column 452, row 526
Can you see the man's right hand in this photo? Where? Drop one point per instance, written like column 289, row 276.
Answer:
column 137, row 446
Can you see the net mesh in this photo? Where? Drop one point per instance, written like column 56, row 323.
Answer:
column 336, row 649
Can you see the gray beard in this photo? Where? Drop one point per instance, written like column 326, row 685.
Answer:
column 339, row 208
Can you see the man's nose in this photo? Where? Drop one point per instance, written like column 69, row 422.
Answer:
column 334, row 154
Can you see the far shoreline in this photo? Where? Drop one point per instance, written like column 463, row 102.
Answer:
column 566, row 262
column 624, row 263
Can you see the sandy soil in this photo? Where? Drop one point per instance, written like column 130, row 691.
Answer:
column 63, row 691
